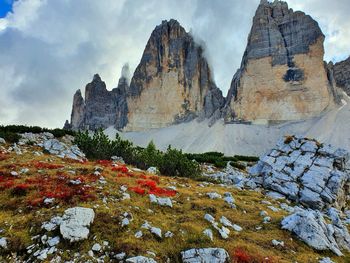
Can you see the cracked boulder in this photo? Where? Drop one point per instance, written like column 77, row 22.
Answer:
column 305, row 171
column 310, row 226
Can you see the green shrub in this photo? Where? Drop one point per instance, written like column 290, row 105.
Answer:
column 246, row 158
column 11, row 131
column 9, row 137
column 175, row 163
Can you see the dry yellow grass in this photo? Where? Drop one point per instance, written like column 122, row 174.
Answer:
column 185, row 219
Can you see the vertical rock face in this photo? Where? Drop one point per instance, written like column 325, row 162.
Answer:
column 78, row 111
column 101, row 108
column 341, row 73
column 282, row 75
column 172, row 83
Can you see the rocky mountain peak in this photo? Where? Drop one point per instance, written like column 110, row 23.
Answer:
column 282, row 63
column 173, row 82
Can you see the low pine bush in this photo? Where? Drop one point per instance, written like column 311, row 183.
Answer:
column 172, row 162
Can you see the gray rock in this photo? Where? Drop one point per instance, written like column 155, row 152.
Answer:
column 101, row 108
column 140, row 259
column 152, row 170
column 162, row 201
column 156, row 231
column 96, row 247
column 209, row 233
column 312, row 174
column 2, row 141
column 3, row 243
column 209, row 218
column 205, row 255
column 213, row 195
column 341, row 75
column 326, row 260
column 54, row 241
column 310, row 227
column 75, row 223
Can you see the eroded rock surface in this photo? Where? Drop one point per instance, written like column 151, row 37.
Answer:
column 282, row 75
column 173, row 82
column 101, row 108
column 75, row 223
column 311, row 227
column 305, row 171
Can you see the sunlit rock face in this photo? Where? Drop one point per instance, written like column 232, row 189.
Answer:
column 282, row 76
column 173, row 82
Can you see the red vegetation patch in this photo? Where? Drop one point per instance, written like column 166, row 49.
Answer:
column 3, row 156
column 241, row 255
column 42, row 165
column 122, row 169
column 150, row 187
column 37, row 188
column 104, row 162
column 137, row 190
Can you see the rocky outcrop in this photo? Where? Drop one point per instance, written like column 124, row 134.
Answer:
column 173, row 82
column 282, row 75
column 311, row 227
column 341, row 73
column 305, row 171
column 101, row 108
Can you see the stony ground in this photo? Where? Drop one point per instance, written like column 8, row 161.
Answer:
column 36, row 187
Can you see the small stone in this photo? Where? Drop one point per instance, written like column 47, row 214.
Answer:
column 13, row 173
column 209, row 233
column 138, row 234
column 266, row 219
column 169, row 234
column 53, row 241
column 209, row 218
column 120, row 256
column 156, row 231
column 3, row 243
column 205, row 255
column 96, row 247
column 125, row 222
column 277, row 243
column 140, row 259
column 214, row 195
column 152, row 170
column 326, row 260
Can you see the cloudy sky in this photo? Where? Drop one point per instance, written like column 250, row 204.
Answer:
column 51, row 48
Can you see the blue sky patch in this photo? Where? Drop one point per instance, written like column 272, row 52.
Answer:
column 5, row 7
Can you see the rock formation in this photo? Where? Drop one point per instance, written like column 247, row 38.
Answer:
column 173, row 82
column 341, row 73
column 282, row 75
column 306, row 171
column 101, row 108
column 311, row 227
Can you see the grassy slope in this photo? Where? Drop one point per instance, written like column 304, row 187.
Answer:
column 21, row 222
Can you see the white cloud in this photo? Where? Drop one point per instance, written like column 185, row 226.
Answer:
column 49, row 49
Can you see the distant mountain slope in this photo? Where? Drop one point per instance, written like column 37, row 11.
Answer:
column 332, row 127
